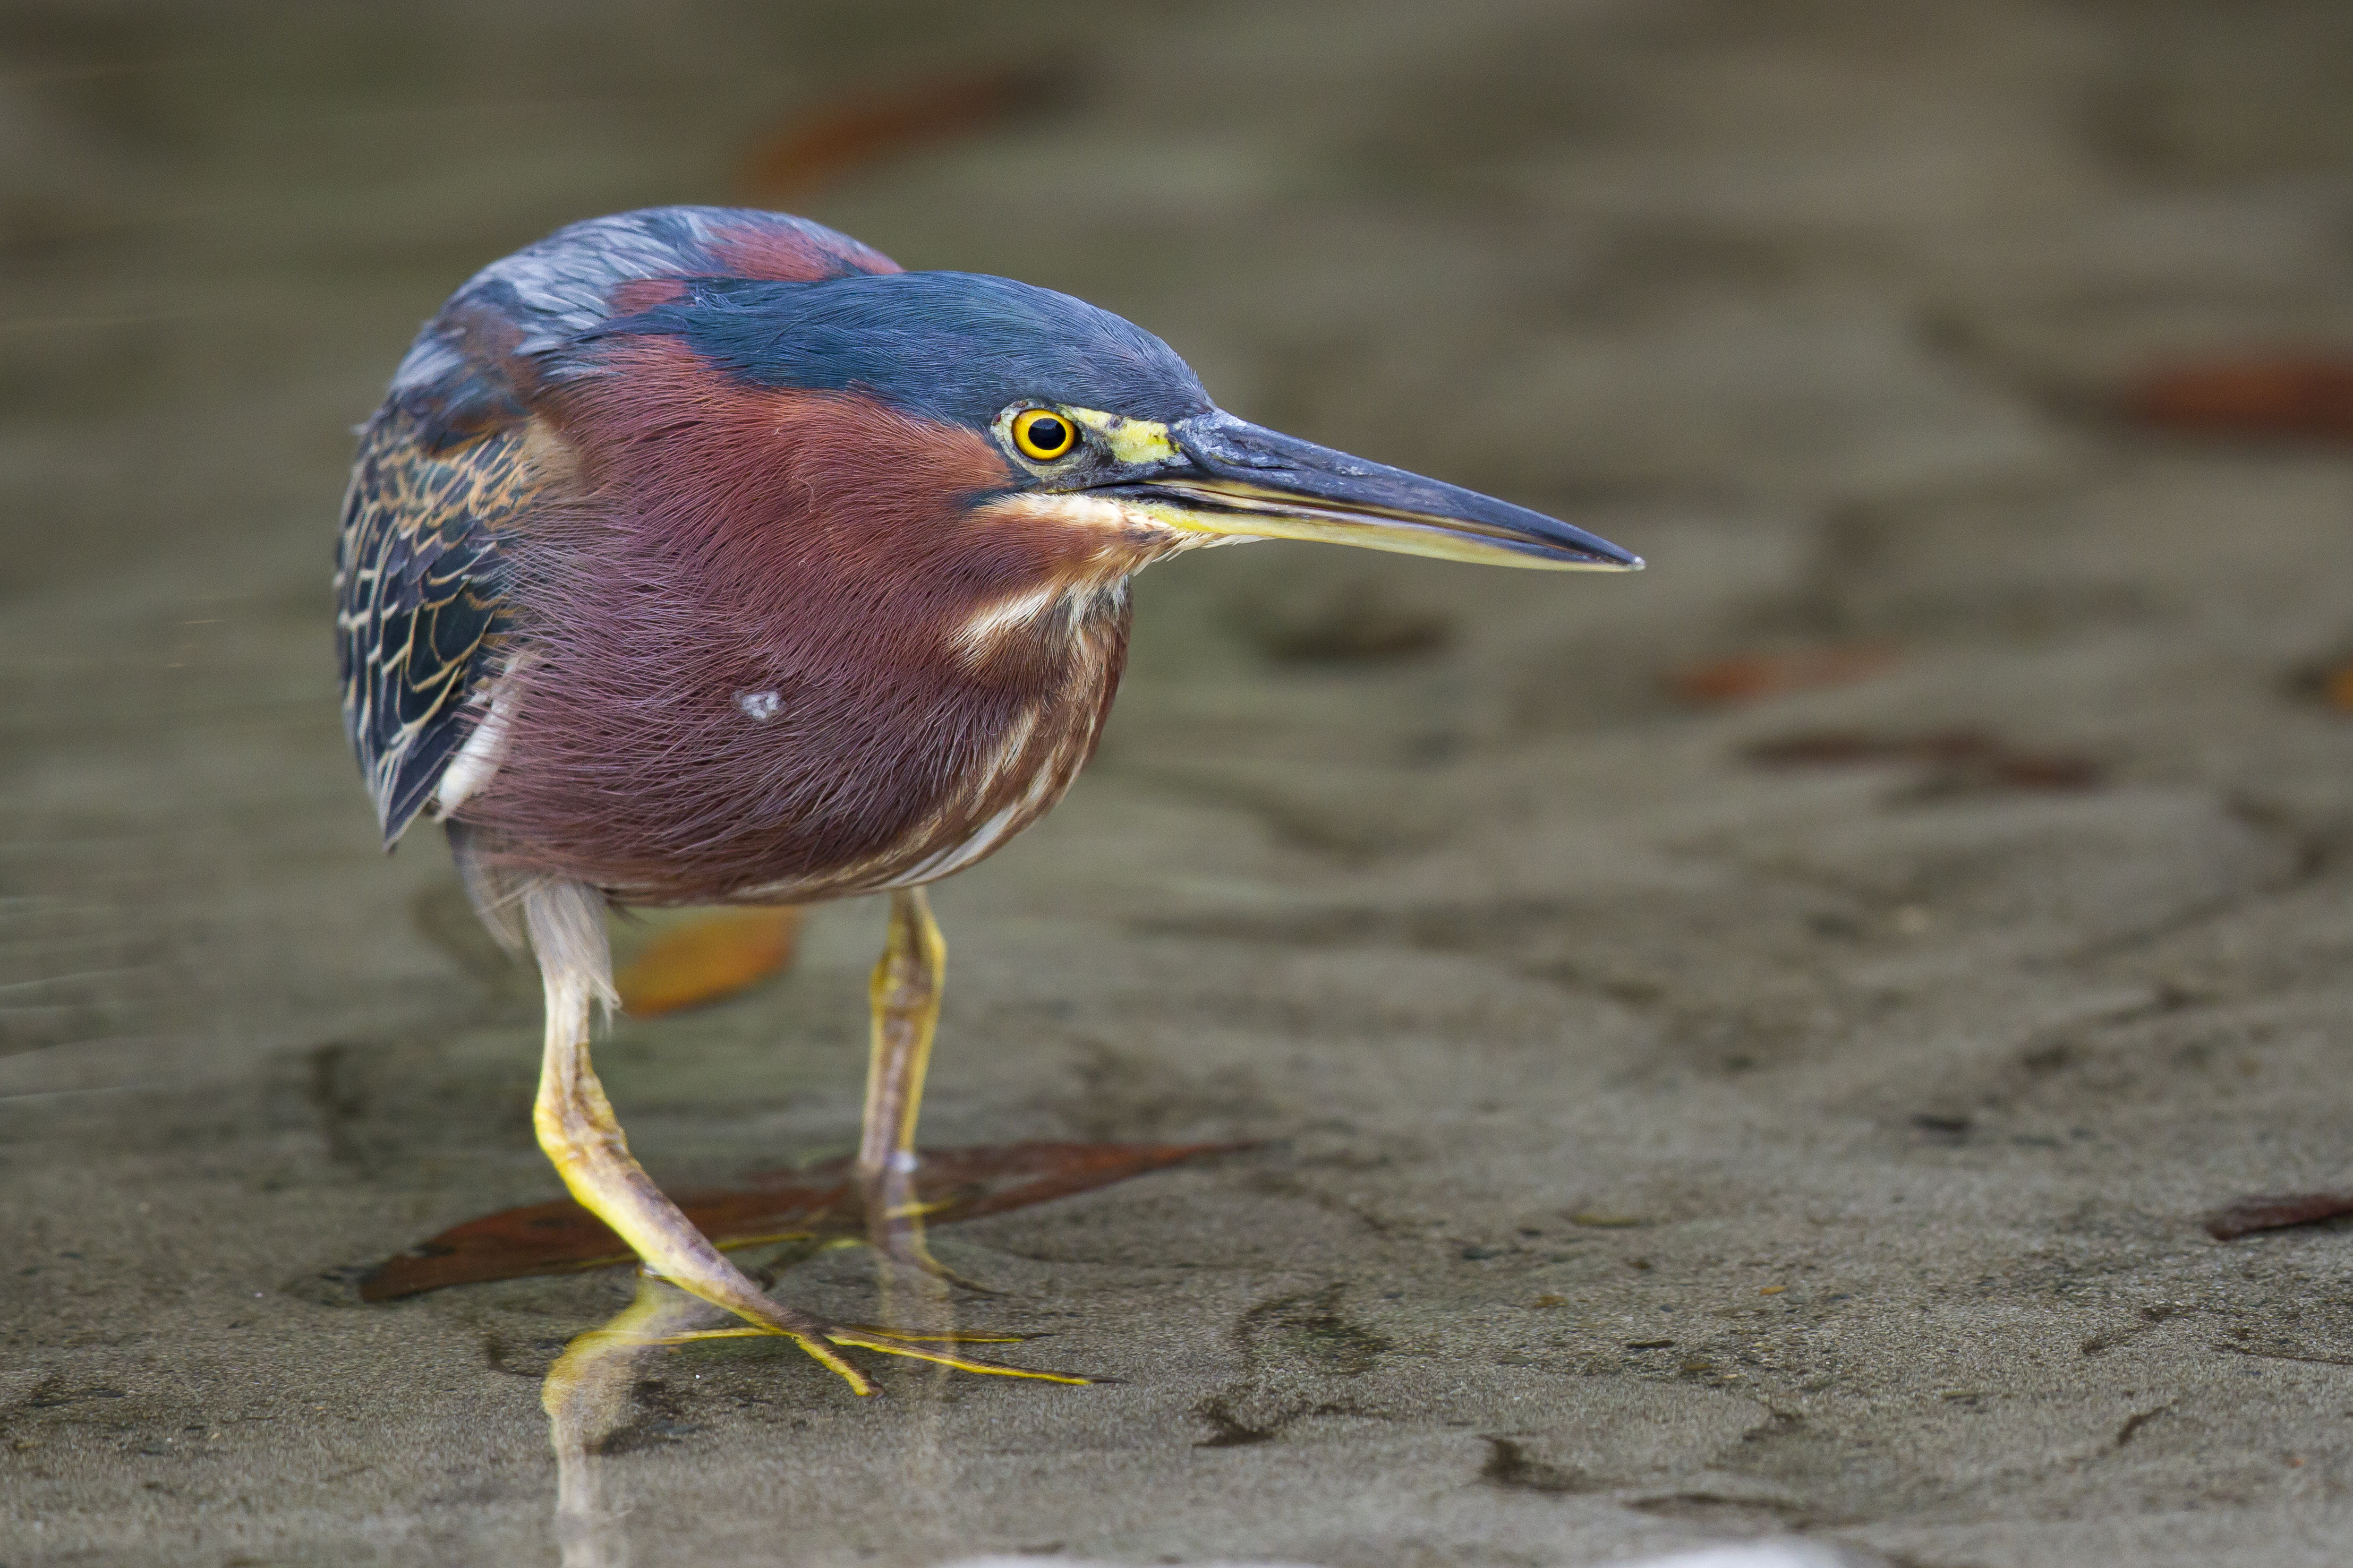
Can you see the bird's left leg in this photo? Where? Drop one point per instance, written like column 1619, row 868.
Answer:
column 905, row 994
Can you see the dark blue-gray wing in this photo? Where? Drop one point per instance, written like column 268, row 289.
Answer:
column 421, row 608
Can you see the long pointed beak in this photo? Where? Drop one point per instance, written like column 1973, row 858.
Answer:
column 1239, row 480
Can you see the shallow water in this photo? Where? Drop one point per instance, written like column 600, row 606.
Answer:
column 1651, row 1147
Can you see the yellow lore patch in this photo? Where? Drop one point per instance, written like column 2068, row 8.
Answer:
column 1130, row 440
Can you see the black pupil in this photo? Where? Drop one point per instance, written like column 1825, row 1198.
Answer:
column 1048, row 434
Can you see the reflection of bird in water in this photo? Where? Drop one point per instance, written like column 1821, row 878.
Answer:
column 702, row 555
column 588, row 1398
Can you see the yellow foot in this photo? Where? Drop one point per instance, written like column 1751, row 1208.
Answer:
column 694, row 1266
column 894, row 1227
column 890, row 1341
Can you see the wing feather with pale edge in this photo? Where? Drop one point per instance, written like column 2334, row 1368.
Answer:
column 421, row 576
column 421, row 600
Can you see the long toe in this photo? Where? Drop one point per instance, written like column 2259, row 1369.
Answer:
column 930, row 1347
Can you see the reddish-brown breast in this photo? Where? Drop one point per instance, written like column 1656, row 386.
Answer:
column 746, row 667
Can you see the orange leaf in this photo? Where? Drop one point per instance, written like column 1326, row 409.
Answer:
column 2291, row 393
column 708, row 959
column 815, row 148
column 819, row 1204
column 2337, row 688
column 1753, row 676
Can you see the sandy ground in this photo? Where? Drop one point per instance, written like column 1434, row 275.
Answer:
column 1658, row 1149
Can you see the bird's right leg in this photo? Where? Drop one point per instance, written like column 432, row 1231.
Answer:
column 905, row 995
column 565, row 922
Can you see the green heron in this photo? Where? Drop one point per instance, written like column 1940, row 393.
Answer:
column 703, row 555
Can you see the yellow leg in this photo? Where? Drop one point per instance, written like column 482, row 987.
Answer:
column 905, row 994
column 579, row 1133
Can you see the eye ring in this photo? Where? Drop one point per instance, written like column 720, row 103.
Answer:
column 1041, row 434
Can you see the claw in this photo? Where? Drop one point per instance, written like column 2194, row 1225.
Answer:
column 860, row 1385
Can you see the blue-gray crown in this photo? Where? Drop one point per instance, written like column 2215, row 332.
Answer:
column 956, row 346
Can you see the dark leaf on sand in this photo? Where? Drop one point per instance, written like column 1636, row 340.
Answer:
column 2296, row 393
column 2276, row 1211
column 1953, row 758
column 1358, row 621
column 818, row 1203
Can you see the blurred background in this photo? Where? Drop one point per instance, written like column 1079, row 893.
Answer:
column 1741, row 1049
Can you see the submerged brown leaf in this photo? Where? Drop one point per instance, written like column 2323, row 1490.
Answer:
column 708, row 959
column 1955, row 759
column 1774, row 672
column 815, row 148
column 2293, row 393
column 2276, row 1211
column 818, row 1203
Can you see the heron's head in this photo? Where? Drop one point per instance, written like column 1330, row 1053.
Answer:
column 989, row 417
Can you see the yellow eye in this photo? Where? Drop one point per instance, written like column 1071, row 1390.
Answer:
column 1043, row 434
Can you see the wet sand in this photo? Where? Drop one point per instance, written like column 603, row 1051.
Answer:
column 1653, row 1147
